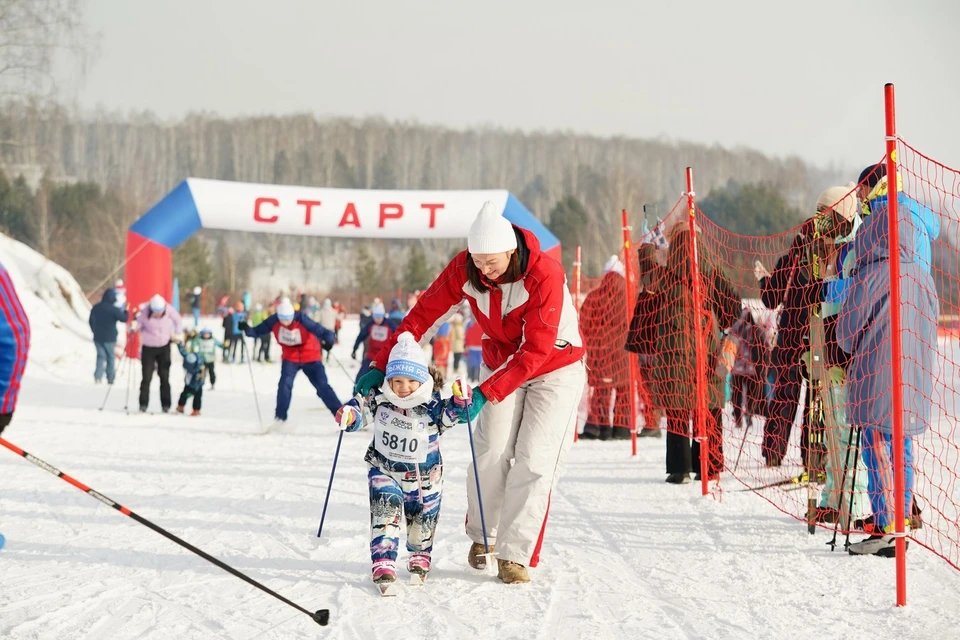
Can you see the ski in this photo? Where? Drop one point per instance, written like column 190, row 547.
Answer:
column 417, row 579
column 798, row 480
column 387, row 589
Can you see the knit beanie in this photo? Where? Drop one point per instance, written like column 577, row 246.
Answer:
column 378, row 311
column 407, row 359
column 157, row 303
column 491, row 232
column 840, row 199
column 285, row 310
column 613, row 264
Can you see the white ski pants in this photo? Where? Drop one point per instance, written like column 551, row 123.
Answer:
column 521, row 444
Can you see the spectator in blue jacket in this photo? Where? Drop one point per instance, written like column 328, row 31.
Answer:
column 14, row 344
column 103, row 321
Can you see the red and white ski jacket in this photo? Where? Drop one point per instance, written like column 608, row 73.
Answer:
column 530, row 326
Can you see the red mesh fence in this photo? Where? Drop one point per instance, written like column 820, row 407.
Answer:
column 793, row 379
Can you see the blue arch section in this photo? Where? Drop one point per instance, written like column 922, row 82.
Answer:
column 515, row 212
column 172, row 220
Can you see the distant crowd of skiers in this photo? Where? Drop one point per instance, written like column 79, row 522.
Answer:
column 766, row 350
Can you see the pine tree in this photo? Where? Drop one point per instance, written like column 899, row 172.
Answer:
column 368, row 275
column 417, row 275
column 569, row 221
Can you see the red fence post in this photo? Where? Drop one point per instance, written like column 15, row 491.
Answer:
column 576, row 303
column 896, row 387
column 700, row 414
column 634, row 372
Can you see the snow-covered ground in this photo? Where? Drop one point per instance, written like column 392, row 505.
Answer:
column 626, row 555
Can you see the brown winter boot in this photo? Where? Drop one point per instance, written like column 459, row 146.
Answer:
column 179, row 408
column 475, row 557
column 511, row 572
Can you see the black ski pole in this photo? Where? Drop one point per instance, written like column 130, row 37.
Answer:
column 321, row 617
column 743, row 418
column 853, row 488
column 843, row 488
column 333, row 471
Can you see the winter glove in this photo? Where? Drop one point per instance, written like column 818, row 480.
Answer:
column 470, row 401
column 326, row 345
column 243, row 326
column 5, row 419
column 353, row 354
column 369, row 381
column 837, row 376
column 350, row 416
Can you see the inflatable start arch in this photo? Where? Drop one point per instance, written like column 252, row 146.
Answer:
column 306, row 211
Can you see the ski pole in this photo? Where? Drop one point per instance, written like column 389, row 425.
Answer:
column 340, row 364
column 256, row 400
column 110, row 384
column 843, row 488
column 476, row 477
column 326, row 500
column 853, row 484
column 743, row 440
column 321, row 617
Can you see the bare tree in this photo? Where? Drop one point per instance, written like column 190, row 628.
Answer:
column 33, row 33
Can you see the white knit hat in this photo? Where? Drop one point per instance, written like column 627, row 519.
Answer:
column 407, row 359
column 378, row 311
column 613, row 264
column 840, row 199
column 491, row 232
column 285, row 310
column 157, row 303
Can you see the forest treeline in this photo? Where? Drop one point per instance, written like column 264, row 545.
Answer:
column 135, row 159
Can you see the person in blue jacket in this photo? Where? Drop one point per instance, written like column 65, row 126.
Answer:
column 863, row 332
column 104, row 317
column 14, row 345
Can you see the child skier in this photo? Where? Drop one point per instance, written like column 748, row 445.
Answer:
column 206, row 347
column 301, row 340
column 406, row 470
column 192, row 380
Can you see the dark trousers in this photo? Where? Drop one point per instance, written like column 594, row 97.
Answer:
column 786, row 396
column 159, row 358
column 261, row 347
column 317, row 376
column 197, row 397
column 237, row 343
column 211, row 372
column 457, row 358
column 683, row 452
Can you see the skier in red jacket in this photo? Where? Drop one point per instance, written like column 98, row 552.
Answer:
column 301, row 340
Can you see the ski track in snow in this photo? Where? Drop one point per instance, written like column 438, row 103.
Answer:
column 626, row 556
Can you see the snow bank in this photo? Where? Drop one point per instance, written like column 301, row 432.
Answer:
column 55, row 304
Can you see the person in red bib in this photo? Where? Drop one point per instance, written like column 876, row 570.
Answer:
column 378, row 332
column 301, row 340
column 532, row 377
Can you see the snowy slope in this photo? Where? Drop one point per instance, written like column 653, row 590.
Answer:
column 55, row 304
column 626, row 555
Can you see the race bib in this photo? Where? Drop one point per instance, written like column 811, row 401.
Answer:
column 400, row 438
column 379, row 333
column 289, row 337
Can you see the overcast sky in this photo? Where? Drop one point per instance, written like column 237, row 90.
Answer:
column 801, row 77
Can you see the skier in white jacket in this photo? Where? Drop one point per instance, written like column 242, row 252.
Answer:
column 531, row 382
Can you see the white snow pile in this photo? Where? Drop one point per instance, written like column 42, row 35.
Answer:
column 55, row 304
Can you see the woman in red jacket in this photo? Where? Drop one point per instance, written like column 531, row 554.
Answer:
column 532, row 380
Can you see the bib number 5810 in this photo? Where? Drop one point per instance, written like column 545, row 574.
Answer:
column 403, row 445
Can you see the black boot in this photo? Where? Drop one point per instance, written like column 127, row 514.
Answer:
column 590, row 432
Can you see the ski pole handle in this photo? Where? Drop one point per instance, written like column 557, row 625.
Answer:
column 462, row 392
